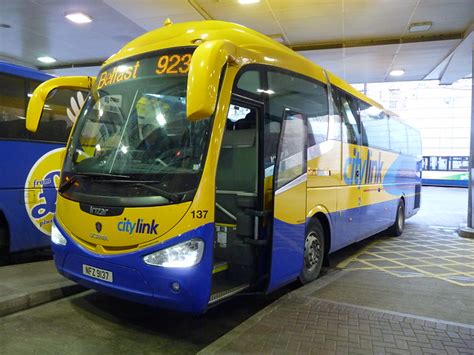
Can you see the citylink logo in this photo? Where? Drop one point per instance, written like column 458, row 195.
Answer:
column 370, row 170
column 137, row 227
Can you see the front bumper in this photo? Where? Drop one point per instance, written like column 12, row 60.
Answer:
column 136, row 281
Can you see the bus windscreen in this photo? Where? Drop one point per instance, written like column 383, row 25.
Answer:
column 133, row 133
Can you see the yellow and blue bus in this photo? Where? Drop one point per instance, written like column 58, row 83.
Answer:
column 30, row 162
column 209, row 159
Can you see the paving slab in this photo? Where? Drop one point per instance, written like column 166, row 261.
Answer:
column 24, row 286
column 308, row 325
column 408, row 295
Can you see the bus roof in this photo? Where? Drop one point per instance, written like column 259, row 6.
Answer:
column 24, row 72
column 267, row 51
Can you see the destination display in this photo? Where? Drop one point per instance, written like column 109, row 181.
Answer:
column 168, row 63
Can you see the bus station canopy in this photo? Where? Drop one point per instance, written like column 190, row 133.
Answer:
column 359, row 40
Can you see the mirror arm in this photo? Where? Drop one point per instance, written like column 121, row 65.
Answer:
column 40, row 95
column 205, row 74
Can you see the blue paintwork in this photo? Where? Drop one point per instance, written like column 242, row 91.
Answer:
column 340, row 221
column 15, row 165
column 287, row 253
column 136, row 281
column 445, row 182
column 16, row 160
column 28, row 73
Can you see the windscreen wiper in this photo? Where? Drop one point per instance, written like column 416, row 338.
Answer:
column 169, row 195
column 68, row 183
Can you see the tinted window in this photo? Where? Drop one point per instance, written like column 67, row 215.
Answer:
column 292, row 93
column 347, row 108
column 250, row 81
column 292, row 157
column 59, row 114
column 375, row 123
column 414, row 141
column 12, row 107
column 398, row 136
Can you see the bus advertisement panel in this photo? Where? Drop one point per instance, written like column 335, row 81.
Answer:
column 210, row 159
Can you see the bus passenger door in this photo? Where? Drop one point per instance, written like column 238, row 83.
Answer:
column 289, row 210
column 348, row 218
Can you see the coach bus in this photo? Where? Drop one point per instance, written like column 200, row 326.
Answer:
column 30, row 162
column 449, row 171
column 209, row 159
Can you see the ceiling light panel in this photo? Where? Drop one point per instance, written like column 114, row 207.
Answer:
column 46, row 60
column 420, row 26
column 78, row 17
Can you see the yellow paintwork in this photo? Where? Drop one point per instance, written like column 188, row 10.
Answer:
column 82, row 225
column 289, row 205
column 204, row 74
column 174, row 219
column 38, row 99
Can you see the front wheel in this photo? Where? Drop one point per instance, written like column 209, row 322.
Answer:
column 397, row 228
column 313, row 252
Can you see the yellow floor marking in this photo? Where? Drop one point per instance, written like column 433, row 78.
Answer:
column 346, row 262
column 439, row 253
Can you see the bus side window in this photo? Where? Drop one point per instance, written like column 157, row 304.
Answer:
column 398, row 136
column 350, row 130
column 290, row 92
column 12, row 107
column 375, row 124
column 249, row 81
column 292, row 155
column 58, row 116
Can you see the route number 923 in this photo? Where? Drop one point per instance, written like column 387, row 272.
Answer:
column 173, row 64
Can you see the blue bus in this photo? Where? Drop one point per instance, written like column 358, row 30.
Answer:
column 30, row 162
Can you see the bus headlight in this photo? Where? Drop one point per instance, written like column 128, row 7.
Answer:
column 184, row 254
column 56, row 236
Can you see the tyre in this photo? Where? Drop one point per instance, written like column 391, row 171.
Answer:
column 396, row 229
column 313, row 252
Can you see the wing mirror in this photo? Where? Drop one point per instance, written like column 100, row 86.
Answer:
column 204, row 77
column 40, row 95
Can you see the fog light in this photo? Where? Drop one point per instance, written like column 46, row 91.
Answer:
column 175, row 286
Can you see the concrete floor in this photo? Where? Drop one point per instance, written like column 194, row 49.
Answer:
column 93, row 323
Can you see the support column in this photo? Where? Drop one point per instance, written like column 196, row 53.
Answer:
column 468, row 231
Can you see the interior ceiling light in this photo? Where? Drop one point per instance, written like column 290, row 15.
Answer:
column 78, row 17
column 420, row 26
column 247, row 2
column 46, row 59
column 397, row 72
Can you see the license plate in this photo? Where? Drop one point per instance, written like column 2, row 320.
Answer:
column 97, row 273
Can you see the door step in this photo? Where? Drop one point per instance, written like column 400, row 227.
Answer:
column 219, row 296
column 220, row 266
